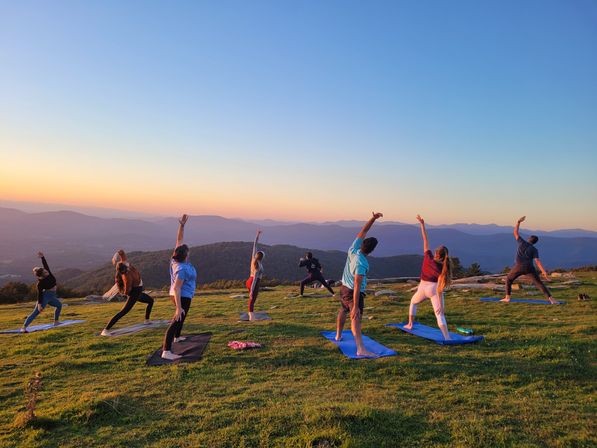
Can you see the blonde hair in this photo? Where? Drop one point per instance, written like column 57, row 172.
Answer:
column 445, row 278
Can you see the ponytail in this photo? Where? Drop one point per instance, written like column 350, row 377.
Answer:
column 445, row 278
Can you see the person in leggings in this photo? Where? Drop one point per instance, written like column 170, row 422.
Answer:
column 436, row 275
column 314, row 273
column 255, row 277
column 526, row 257
column 129, row 283
column 46, row 293
column 183, row 280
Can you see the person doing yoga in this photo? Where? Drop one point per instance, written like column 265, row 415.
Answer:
column 183, row 281
column 436, row 275
column 527, row 256
column 354, row 281
column 46, row 293
column 314, row 269
column 130, row 284
column 256, row 275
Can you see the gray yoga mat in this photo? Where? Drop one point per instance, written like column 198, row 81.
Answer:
column 136, row 328
column 256, row 316
column 43, row 327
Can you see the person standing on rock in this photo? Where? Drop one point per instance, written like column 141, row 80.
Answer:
column 527, row 256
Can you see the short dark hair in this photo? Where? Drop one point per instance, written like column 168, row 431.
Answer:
column 309, row 255
column 533, row 239
column 180, row 253
column 368, row 245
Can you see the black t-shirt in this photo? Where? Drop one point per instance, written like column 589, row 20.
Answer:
column 312, row 264
column 525, row 253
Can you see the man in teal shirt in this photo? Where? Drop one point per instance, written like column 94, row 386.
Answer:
column 354, row 281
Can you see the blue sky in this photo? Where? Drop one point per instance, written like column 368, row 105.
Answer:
column 463, row 111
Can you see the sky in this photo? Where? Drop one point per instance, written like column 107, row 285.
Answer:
column 462, row 111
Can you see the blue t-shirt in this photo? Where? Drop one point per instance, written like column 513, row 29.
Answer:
column 356, row 263
column 187, row 273
column 525, row 253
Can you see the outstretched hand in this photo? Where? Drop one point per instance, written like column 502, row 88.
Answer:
column 183, row 220
column 40, row 254
column 521, row 219
column 420, row 219
column 259, row 232
column 377, row 215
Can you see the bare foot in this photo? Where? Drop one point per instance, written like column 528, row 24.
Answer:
column 24, row 330
column 552, row 301
column 366, row 354
column 56, row 323
column 251, row 316
column 408, row 326
column 338, row 337
column 505, row 299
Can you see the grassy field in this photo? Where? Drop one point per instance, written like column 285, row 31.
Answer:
column 531, row 383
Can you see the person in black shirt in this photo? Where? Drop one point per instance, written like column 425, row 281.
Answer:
column 526, row 257
column 314, row 273
column 46, row 293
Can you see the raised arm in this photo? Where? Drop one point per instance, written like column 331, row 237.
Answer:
column 255, row 244
column 44, row 262
column 423, row 233
column 180, row 235
column 375, row 216
column 517, row 227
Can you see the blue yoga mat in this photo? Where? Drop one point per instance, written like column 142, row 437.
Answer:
column 435, row 335
column 349, row 346
column 533, row 301
column 43, row 327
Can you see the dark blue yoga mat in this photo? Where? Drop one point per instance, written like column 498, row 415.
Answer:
column 435, row 335
column 533, row 301
column 349, row 347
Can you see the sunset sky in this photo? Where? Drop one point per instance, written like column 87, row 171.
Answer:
column 463, row 111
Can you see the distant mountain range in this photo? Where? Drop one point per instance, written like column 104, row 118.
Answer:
column 230, row 261
column 77, row 241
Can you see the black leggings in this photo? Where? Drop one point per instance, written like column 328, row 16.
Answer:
column 135, row 295
column 175, row 327
column 315, row 276
column 519, row 270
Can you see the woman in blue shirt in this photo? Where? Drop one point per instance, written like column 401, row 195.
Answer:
column 183, row 280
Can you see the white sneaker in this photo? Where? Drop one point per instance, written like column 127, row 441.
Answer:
column 106, row 332
column 166, row 354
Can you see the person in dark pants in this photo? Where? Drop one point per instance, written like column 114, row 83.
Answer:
column 129, row 283
column 527, row 256
column 183, row 281
column 46, row 293
column 314, row 273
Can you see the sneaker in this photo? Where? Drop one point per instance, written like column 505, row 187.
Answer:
column 106, row 332
column 166, row 354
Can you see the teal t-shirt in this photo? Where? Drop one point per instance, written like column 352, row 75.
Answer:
column 356, row 263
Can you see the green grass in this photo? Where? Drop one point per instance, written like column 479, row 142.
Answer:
column 530, row 384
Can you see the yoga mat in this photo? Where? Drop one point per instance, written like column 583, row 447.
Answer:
column 533, row 301
column 43, row 327
column 349, row 347
column 191, row 349
column 256, row 316
column 435, row 335
column 136, row 328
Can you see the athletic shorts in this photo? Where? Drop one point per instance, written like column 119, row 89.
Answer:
column 347, row 299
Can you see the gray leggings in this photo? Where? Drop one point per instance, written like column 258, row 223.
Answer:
column 48, row 298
